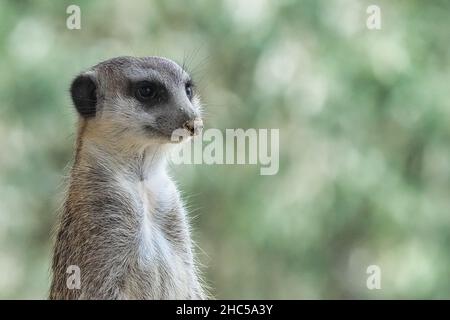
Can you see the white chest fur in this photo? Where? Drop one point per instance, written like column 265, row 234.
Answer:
column 165, row 266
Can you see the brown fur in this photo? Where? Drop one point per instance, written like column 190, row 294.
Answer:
column 123, row 223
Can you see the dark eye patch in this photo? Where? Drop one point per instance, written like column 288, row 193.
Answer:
column 189, row 89
column 149, row 92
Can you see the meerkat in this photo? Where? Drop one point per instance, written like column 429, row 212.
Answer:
column 123, row 223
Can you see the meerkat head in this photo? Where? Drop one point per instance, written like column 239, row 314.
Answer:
column 137, row 100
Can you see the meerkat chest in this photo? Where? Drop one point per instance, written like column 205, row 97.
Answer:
column 159, row 207
column 157, row 195
column 164, row 241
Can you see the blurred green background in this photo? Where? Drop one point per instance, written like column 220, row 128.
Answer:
column 364, row 119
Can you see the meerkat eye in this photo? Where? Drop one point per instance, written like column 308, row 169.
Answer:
column 146, row 91
column 189, row 90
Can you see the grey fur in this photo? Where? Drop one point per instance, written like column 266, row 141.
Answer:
column 123, row 223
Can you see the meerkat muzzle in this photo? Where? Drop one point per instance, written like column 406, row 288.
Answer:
column 194, row 126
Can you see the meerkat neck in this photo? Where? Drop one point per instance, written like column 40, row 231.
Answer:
column 136, row 161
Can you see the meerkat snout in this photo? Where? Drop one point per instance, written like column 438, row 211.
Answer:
column 194, row 126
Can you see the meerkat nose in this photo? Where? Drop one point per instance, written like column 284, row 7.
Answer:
column 194, row 126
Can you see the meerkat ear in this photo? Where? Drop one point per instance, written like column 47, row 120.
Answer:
column 84, row 95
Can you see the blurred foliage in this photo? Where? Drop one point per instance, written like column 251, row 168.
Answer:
column 364, row 120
